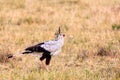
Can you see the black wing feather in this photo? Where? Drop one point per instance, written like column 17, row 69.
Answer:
column 35, row 48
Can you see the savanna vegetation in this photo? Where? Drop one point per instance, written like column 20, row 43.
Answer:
column 92, row 43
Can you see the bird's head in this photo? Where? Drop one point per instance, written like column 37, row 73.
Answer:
column 59, row 35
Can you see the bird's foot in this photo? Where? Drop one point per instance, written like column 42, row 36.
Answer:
column 44, row 66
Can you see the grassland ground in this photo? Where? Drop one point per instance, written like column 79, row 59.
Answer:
column 92, row 43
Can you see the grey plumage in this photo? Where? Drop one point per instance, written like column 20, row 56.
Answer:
column 55, row 45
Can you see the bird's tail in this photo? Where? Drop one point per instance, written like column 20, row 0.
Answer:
column 19, row 54
column 14, row 55
column 29, row 50
column 26, row 52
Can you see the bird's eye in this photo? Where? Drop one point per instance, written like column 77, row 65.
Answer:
column 63, row 35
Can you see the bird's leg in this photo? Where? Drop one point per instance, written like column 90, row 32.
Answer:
column 47, row 67
column 42, row 60
column 42, row 64
column 48, row 59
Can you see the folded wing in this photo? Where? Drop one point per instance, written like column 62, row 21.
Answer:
column 51, row 46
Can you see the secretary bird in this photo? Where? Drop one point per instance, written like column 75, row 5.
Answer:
column 48, row 48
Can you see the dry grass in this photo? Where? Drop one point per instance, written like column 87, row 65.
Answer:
column 4, row 57
column 88, row 25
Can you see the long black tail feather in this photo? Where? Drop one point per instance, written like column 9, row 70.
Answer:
column 26, row 52
column 29, row 50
